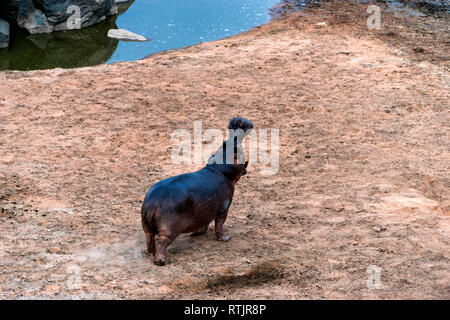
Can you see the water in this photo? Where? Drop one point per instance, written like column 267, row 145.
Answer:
column 180, row 23
column 170, row 23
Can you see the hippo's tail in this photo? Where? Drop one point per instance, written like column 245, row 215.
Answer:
column 147, row 214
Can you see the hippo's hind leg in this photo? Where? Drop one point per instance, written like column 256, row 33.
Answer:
column 199, row 232
column 164, row 242
column 149, row 238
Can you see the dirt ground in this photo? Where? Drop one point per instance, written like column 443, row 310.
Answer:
column 364, row 166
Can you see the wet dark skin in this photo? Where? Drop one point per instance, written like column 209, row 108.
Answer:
column 190, row 202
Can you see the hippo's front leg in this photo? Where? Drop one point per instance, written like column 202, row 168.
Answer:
column 220, row 220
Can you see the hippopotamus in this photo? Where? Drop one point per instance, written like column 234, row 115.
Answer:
column 188, row 203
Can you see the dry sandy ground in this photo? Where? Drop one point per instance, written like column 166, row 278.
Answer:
column 364, row 166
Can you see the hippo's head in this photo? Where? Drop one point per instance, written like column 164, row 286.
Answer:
column 230, row 158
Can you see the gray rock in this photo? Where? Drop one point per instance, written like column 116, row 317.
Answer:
column 4, row 34
column 43, row 16
column 75, row 14
column 35, row 22
column 122, row 34
column 114, row 11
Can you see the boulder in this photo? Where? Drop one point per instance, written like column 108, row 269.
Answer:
column 44, row 16
column 4, row 34
column 75, row 14
column 34, row 22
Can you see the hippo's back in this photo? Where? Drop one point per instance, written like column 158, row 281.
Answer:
column 203, row 186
